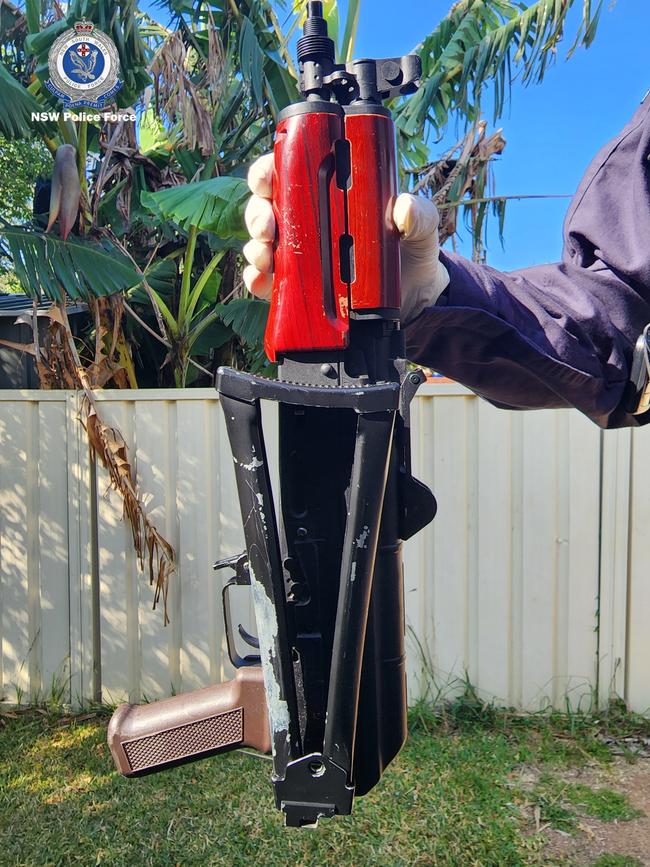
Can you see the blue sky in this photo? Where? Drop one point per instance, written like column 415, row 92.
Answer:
column 554, row 129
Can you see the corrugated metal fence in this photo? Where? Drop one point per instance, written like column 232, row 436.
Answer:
column 530, row 583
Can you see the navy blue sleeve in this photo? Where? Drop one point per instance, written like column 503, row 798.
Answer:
column 557, row 335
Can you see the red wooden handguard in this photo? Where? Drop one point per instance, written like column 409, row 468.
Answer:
column 309, row 309
column 370, row 200
column 337, row 248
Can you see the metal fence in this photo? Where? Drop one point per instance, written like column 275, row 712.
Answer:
column 530, row 583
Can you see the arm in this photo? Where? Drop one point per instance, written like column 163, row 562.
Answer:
column 562, row 334
column 558, row 335
column 540, row 338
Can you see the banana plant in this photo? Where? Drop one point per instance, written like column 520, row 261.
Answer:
column 476, row 50
column 478, row 47
column 215, row 208
column 65, row 192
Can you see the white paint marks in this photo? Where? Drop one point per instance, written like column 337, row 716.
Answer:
column 261, row 513
column 255, row 464
column 362, row 541
column 267, row 630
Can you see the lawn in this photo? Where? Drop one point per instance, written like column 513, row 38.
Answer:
column 473, row 786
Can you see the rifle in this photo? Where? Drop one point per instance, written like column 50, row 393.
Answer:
column 326, row 570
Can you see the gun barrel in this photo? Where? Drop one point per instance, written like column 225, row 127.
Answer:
column 147, row 738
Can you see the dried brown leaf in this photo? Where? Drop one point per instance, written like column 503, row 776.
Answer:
column 464, row 161
column 20, row 347
column 59, row 366
column 178, row 98
column 110, row 447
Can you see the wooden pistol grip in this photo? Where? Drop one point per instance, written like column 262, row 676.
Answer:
column 147, row 738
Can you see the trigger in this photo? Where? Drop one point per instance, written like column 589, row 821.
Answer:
column 250, row 640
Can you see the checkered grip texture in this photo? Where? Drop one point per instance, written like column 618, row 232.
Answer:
column 201, row 736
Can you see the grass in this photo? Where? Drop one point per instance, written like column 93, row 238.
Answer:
column 617, row 861
column 562, row 804
column 449, row 799
column 602, row 803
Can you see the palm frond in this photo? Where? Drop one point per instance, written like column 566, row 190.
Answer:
column 483, row 42
column 16, row 107
column 350, row 30
column 460, row 179
column 271, row 51
column 252, row 60
column 50, row 267
column 33, row 15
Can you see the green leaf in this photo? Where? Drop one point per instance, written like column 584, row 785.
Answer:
column 82, row 269
column 229, row 104
column 481, row 44
column 211, row 288
column 214, row 336
column 350, row 31
column 282, row 86
column 38, row 43
column 252, row 60
column 189, row 162
column 154, row 140
column 33, row 15
column 247, row 318
column 162, row 276
column 17, row 107
column 215, row 205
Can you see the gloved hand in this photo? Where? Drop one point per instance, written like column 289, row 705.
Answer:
column 424, row 277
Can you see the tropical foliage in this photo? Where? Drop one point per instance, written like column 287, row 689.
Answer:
column 163, row 197
column 22, row 162
column 471, row 58
column 144, row 220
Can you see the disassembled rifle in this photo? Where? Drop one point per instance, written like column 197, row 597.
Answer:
column 326, row 571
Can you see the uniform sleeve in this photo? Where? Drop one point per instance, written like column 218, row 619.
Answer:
column 557, row 335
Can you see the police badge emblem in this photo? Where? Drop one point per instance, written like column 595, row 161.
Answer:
column 84, row 67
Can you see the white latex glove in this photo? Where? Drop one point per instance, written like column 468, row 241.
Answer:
column 424, row 277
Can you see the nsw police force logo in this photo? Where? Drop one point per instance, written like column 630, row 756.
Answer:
column 84, row 67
